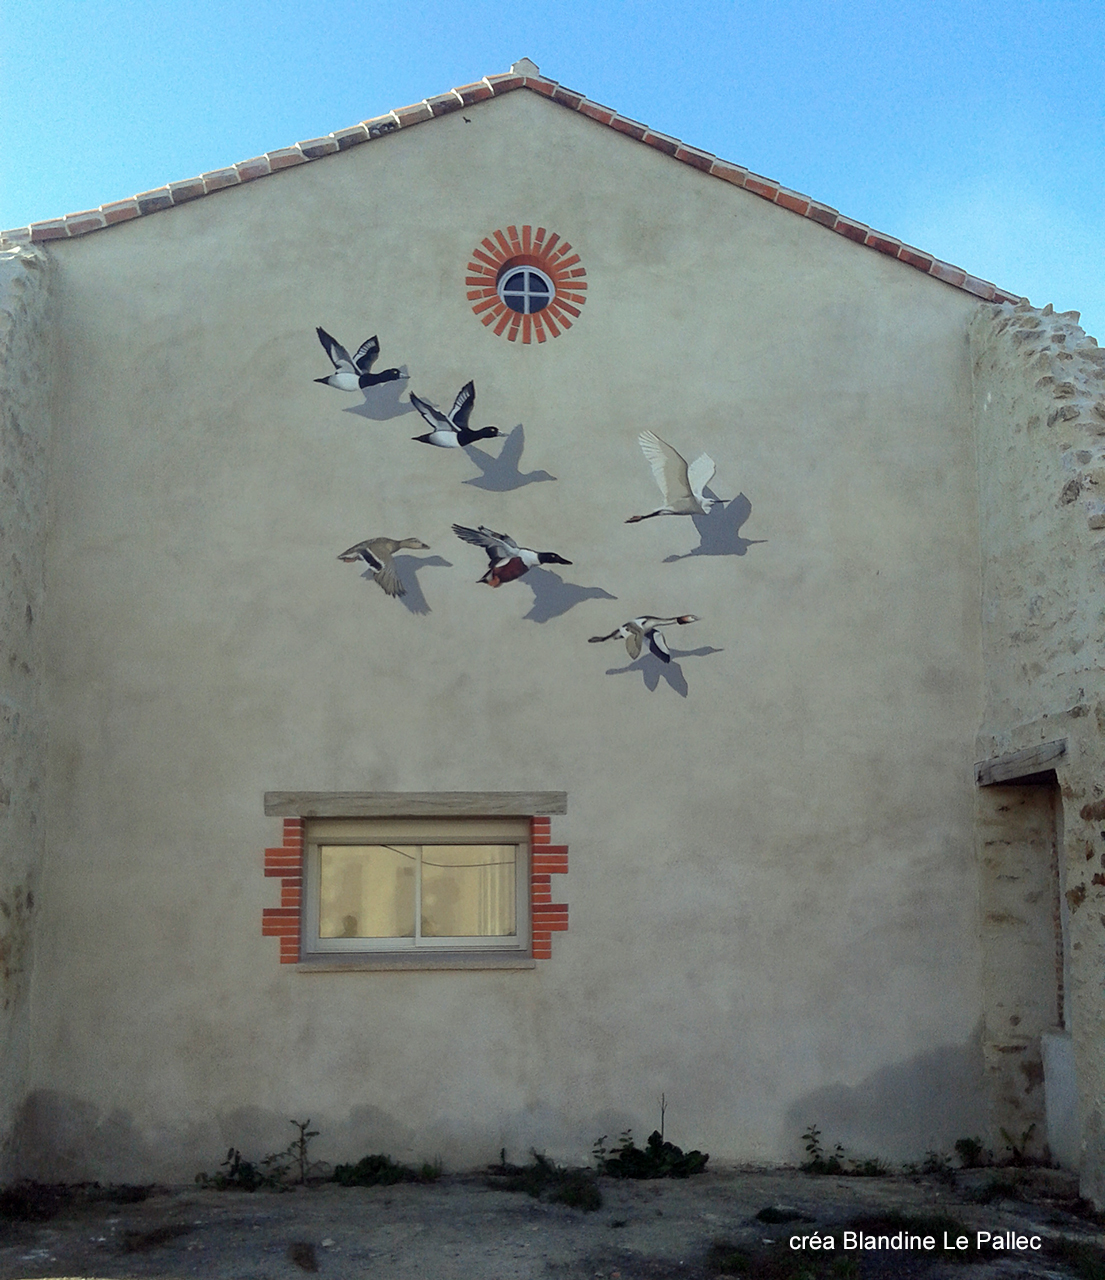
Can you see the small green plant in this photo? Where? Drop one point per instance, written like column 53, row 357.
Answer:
column 818, row 1161
column 971, row 1153
column 1017, row 1149
column 545, row 1180
column 821, row 1162
column 659, row 1159
column 382, row 1171
column 239, row 1174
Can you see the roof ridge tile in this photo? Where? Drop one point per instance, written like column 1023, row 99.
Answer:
column 176, row 193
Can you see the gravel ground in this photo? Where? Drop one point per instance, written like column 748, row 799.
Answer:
column 458, row 1228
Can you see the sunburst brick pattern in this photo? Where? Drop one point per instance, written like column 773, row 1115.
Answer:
column 501, row 252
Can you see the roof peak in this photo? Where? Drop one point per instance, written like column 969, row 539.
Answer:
column 523, row 74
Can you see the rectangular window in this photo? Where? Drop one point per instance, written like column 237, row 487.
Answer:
column 417, row 886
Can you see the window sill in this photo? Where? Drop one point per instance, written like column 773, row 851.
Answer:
column 413, row 962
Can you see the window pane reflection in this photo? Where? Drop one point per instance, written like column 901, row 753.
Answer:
column 468, row 891
column 367, row 891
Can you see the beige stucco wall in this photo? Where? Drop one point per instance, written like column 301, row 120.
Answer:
column 772, row 889
column 25, row 377
column 1039, row 404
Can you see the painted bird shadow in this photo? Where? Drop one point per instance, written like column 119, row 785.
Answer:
column 653, row 670
column 553, row 597
column 408, row 569
column 501, row 474
column 719, row 531
column 382, row 402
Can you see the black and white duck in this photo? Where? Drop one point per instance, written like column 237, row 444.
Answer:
column 508, row 559
column 647, row 627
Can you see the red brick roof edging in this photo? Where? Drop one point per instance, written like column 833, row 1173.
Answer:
column 176, row 193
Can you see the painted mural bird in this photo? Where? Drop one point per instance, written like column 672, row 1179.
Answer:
column 377, row 554
column 637, row 630
column 354, row 372
column 508, row 559
column 450, row 430
column 681, row 485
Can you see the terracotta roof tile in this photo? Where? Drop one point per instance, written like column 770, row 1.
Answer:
column 286, row 157
column 216, row 179
column 523, row 75
column 351, row 137
column 661, row 141
column 691, row 155
column 474, row 92
column 152, row 201
column 187, row 190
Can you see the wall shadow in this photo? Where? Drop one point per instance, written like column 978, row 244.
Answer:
column 900, row 1111
column 653, row 670
column 553, row 597
column 719, row 531
column 408, row 568
column 382, row 401
column 501, row 474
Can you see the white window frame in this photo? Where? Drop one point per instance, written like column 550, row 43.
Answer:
column 509, row 273
column 426, row 832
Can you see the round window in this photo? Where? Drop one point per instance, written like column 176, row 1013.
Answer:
column 526, row 290
column 526, row 284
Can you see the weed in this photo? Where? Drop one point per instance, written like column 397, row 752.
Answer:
column 545, row 1180
column 1017, row 1149
column 971, row 1153
column 382, row 1171
column 659, row 1159
column 39, row 1201
column 1002, row 1187
column 818, row 1161
column 240, row 1175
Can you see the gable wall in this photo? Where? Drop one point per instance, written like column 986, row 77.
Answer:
column 772, row 891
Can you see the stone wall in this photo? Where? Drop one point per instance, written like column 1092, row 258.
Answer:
column 1039, row 409
column 24, row 434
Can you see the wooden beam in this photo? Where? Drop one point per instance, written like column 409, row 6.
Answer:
column 413, row 804
column 1020, row 764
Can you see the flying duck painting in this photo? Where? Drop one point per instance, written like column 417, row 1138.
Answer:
column 637, row 630
column 354, row 373
column 681, row 485
column 377, row 554
column 508, row 559
column 450, row 430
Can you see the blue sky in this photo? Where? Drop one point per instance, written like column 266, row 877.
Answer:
column 974, row 130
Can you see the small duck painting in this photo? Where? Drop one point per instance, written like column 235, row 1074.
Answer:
column 354, row 373
column 508, row 559
column 450, row 430
column 647, row 627
column 377, row 554
column 681, row 485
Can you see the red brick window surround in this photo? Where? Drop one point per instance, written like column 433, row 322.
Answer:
column 504, row 251
column 286, row 862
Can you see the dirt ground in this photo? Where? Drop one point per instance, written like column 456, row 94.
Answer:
column 459, row 1228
